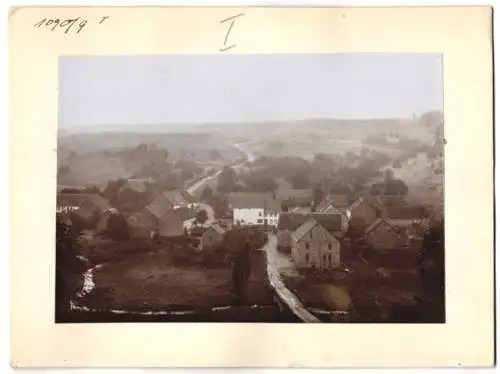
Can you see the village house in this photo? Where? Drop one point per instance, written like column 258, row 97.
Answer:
column 382, row 235
column 254, row 208
column 362, row 211
column 138, row 185
column 67, row 202
column 405, row 215
column 212, row 237
column 296, row 197
column 167, row 213
column 337, row 224
column 170, row 225
column 102, row 224
column 334, row 203
column 86, row 209
column 314, row 247
column 137, row 224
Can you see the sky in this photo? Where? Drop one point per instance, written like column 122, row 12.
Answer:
column 107, row 90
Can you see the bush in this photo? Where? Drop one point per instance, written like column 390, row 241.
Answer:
column 117, row 228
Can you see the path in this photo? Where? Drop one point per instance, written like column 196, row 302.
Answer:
column 249, row 155
column 285, row 295
column 197, row 186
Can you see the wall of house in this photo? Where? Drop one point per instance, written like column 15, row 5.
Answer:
column 384, row 237
column 102, row 224
column 272, row 219
column 364, row 212
column 171, row 225
column 250, row 216
column 284, row 239
column 316, row 249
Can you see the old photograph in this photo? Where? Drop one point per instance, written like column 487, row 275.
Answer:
column 280, row 188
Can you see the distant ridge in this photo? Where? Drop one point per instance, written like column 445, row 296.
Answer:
column 203, row 127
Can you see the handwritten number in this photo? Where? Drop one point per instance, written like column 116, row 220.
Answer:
column 56, row 23
column 81, row 26
column 66, row 24
column 39, row 24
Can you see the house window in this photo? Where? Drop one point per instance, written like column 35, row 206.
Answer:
column 329, row 246
column 259, row 221
column 260, row 214
column 307, row 257
column 307, row 245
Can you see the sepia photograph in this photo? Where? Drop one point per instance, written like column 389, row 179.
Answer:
column 250, row 188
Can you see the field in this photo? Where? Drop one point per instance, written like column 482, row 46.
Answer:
column 162, row 278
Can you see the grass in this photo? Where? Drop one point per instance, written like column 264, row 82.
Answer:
column 150, row 282
column 155, row 281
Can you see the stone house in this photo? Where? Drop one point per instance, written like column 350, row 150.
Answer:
column 314, row 247
column 335, row 223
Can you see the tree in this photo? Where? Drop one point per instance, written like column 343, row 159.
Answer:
column 432, row 272
column 130, row 200
column 299, row 180
column 201, row 216
column 396, row 187
column 227, row 180
column 318, row 194
column 206, row 193
column 261, row 183
column 69, row 268
column 112, row 190
column 117, row 228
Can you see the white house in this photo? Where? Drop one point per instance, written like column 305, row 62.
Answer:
column 252, row 208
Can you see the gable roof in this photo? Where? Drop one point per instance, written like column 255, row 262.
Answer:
column 294, row 193
column 188, row 197
column 100, row 202
column 175, row 197
column 79, row 200
column 160, row 206
column 256, row 200
column 377, row 223
column 304, row 229
column 70, row 199
column 185, row 213
column 332, row 200
column 292, row 221
column 405, row 212
column 136, row 185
